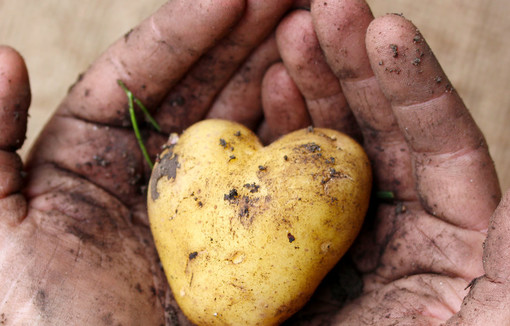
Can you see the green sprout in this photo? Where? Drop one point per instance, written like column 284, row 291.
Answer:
column 132, row 100
column 387, row 195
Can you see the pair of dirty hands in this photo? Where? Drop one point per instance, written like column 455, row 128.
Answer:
column 75, row 248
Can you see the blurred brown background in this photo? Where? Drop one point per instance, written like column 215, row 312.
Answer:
column 60, row 38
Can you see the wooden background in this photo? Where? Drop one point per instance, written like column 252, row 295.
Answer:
column 60, row 38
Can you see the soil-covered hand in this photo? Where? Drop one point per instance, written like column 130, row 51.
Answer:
column 420, row 256
column 74, row 242
column 75, row 248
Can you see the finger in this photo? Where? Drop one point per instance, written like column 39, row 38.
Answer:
column 14, row 103
column 284, row 107
column 456, row 179
column 189, row 101
column 14, row 99
column 151, row 58
column 305, row 63
column 240, row 100
column 489, row 296
column 341, row 27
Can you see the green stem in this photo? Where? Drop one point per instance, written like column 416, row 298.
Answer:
column 134, row 123
column 381, row 194
column 140, row 105
column 147, row 114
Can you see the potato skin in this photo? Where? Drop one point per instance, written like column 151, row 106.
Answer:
column 245, row 232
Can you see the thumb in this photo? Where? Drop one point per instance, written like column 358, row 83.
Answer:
column 14, row 103
column 489, row 298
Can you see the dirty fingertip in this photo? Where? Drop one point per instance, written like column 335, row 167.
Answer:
column 404, row 64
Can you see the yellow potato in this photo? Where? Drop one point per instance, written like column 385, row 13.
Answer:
column 245, row 232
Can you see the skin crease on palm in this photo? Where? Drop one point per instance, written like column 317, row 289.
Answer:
column 75, row 247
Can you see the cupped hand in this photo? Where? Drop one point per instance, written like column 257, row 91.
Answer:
column 420, row 251
column 75, row 248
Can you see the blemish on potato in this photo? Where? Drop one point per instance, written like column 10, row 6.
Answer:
column 252, row 186
column 325, row 247
column 330, row 160
column 232, row 194
column 223, row 143
column 291, row 237
column 237, row 258
column 245, row 217
column 286, row 222
column 193, row 255
column 244, row 212
column 332, row 174
column 167, row 166
column 311, row 147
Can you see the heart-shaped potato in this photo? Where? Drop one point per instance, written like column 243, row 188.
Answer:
column 246, row 233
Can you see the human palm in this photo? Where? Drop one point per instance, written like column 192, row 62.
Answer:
column 76, row 248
